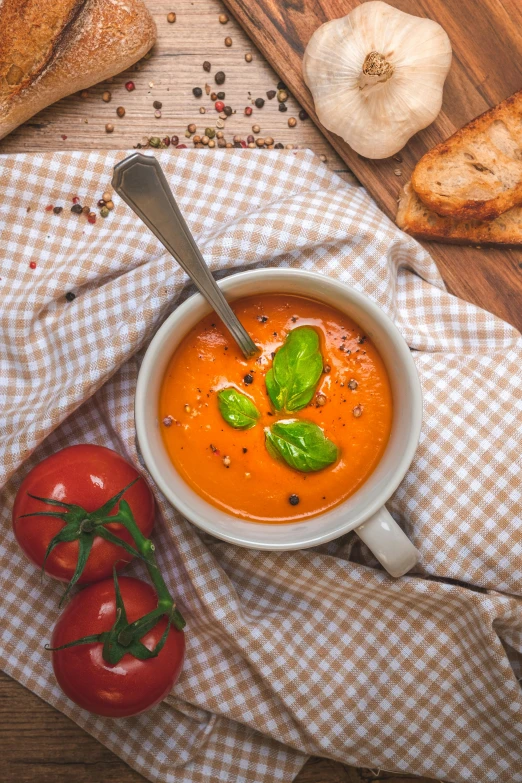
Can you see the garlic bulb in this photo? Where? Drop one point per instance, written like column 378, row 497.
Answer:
column 376, row 76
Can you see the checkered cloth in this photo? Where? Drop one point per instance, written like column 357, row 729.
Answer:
column 288, row 654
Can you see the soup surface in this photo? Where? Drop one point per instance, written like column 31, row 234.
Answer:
column 232, row 468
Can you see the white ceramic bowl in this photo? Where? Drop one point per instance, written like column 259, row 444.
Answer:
column 364, row 511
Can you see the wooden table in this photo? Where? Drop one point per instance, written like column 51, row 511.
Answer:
column 38, row 743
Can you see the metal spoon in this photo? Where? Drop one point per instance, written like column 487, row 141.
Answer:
column 140, row 181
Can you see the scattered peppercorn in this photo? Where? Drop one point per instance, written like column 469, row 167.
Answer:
column 77, row 209
column 256, row 129
column 107, row 96
column 279, row 146
column 76, row 200
column 155, row 141
column 226, row 461
column 174, row 140
column 250, row 139
column 221, row 95
column 248, row 110
column 109, row 128
column 57, row 210
column 192, row 128
column 269, row 141
column 223, row 18
column 352, row 384
column 205, row 140
column 110, row 205
column 281, row 86
column 120, row 111
column 327, row 369
column 157, row 104
column 293, row 500
column 282, row 96
column 171, row 18
column 219, row 106
column 220, row 77
column 320, row 399
column 357, row 411
column 244, row 450
column 49, row 208
column 228, row 41
column 70, row 297
column 221, row 143
column 101, row 202
column 248, row 57
column 206, row 66
column 248, row 379
column 130, row 86
column 86, row 210
column 32, row 265
column 292, row 122
column 283, row 107
column 157, row 114
column 104, row 212
column 303, row 115
column 91, row 217
column 202, row 110
column 167, row 421
column 197, row 92
column 259, row 103
column 228, row 110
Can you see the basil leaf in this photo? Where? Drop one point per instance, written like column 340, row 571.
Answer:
column 301, row 444
column 295, row 373
column 237, row 409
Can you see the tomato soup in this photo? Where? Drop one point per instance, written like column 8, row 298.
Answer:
column 232, row 468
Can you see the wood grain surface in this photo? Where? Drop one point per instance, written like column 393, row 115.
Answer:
column 486, row 37
column 39, row 744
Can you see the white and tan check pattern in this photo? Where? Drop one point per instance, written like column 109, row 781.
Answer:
column 288, row 654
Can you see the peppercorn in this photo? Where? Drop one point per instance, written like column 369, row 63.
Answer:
column 174, row 141
column 236, row 139
column 202, row 110
column 259, row 103
column 248, row 57
column 106, row 96
column 256, row 129
column 251, row 145
column 223, row 18
column 110, row 205
column 219, row 134
column 292, row 122
column 228, row 41
column 303, row 115
column 86, row 210
column 192, row 128
column 226, row 461
column 91, row 217
column 76, row 200
column 279, row 146
column 101, row 202
column 77, row 209
column 70, row 297
column 206, row 66
column 104, row 212
column 248, row 110
column 205, row 140
column 248, row 379
column 289, row 146
column 221, row 95
column 171, row 18
column 221, row 143
column 250, row 139
column 269, row 141
column 196, row 139
column 109, row 128
column 57, row 210
column 167, row 421
column 357, row 411
column 293, row 500
column 220, row 77
column 282, row 96
column 213, row 96
column 197, row 92
column 32, row 265
column 120, row 111
column 283, row 107
column 210, row 132
column 327, row 369
column 181, row 147
column 155, row 141
column 157, row 104
column 219, row 106
column 212, row 143
column 281, row 86
column 320, row 399
column 130, row 86
column 228, row 110
column 271, row 94
column 229, row 145
column 220, row 123
column 157, row 114
column 260, row 142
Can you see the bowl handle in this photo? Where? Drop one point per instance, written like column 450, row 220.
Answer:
column 392, row 548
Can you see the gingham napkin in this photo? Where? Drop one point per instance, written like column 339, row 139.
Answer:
column 288, row 654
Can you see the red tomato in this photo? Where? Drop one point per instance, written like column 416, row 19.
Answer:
column 131, row 686
column 87, row 476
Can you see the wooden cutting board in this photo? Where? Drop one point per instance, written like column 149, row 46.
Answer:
column 486, row 36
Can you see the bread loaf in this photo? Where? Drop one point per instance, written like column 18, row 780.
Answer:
column 477, row 172
column 417, row 219
column 52, row 48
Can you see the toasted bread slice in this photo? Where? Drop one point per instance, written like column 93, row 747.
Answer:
column 416, row 219
column 477, row 172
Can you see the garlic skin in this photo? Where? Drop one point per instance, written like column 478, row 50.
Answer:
column 377, row 76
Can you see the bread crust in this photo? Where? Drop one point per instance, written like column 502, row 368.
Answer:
column 414, row 217
column 485, row 157
column 52, row 48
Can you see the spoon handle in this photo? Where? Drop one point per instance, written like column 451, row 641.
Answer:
column 140, row 181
